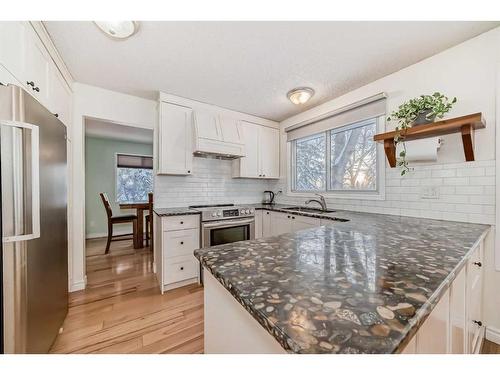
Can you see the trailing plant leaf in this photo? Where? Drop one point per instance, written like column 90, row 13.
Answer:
column 437, row 105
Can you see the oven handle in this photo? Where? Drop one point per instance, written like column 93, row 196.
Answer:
column 228, row 223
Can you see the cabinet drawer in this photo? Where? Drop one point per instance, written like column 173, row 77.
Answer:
column 180, row 242
column 180, row 222
column 179, row 269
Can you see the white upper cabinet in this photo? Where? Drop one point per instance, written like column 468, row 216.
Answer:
column 59, row 97
column 12, row 38
column 206, row 125
column 249, row 165
column 175, row 147
column 36, row 71
column 269, row 156
column 261, row 152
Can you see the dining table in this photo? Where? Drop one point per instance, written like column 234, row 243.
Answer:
column 139, row 207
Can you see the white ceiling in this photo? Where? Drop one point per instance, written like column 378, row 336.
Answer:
column 108, row 130
column 250, row 66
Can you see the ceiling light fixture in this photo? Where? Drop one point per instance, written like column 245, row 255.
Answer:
column 300, row 95
column 118, row 29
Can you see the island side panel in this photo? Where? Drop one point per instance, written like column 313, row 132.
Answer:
column 229, row 328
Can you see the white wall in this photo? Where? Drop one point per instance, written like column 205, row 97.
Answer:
column 466, row 190
column 94, row 102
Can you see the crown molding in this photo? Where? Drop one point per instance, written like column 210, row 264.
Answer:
column 44, row 36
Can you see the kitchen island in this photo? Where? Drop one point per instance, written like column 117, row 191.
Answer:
column 366, row 285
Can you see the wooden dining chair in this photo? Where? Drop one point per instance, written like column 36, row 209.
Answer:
column 118, row 219
column 149, row 221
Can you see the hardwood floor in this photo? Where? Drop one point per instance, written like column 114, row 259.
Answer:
column 122, row 310
column 490, row 348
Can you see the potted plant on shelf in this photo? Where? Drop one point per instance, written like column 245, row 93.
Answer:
column 417, row 111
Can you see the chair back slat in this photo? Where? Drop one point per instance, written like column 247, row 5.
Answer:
column 107, row 205
column 150, row 201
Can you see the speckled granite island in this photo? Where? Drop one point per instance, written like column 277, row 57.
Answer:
column 362, row 286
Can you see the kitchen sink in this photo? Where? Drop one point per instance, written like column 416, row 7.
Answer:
column 308, row 210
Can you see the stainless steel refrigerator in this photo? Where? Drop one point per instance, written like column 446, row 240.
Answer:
column 34, row 248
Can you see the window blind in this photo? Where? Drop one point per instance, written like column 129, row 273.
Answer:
column 134, row 161
column 365, row 109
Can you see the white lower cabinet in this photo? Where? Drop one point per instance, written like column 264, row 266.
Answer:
column 258, row 223
column 176, row 237
column 266, row 224
column 455, row 323
column 287, row 223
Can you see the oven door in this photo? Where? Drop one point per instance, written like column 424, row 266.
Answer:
column 227, row 231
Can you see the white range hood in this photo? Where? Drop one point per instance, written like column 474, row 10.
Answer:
column 217, row 136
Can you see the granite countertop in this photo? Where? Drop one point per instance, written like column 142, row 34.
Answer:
column 362, row 286
column 175, row 211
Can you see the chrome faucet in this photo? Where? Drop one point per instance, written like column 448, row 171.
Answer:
column 321, row 202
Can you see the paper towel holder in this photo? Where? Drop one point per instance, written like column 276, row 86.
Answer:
column 466, row 125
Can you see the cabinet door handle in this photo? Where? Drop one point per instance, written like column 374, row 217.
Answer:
column 293, row 217
column 182, row 268
column 182, row 222
column 267, row 213
column 189, row 172
column 478, row 322
column 182, row 242
column 288, row 217
column 30, row 83
column 36, row 89
column 479, row 264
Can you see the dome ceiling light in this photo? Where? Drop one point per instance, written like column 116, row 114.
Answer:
column 300, row 95
column 118, row 29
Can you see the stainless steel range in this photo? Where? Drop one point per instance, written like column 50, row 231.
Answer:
column 226, row 223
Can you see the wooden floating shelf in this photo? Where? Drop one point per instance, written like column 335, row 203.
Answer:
column 464, row 124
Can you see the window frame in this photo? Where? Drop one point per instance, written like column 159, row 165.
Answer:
column 376, row 194
column 116, row 171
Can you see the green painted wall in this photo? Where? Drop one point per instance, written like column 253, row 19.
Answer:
column 100, row 176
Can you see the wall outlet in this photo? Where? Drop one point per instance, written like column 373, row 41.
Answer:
column 429, row 192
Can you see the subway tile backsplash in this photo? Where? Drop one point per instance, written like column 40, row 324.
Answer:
column 466, row 191
column 210, row 183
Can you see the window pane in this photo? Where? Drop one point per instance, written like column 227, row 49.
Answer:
column 310, row 163
column 133, row 184
column 354, row 159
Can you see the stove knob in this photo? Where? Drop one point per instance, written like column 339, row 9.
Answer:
column 219, row 213
column 247, row 211
column 214, row 214
column 242, row 212
column 251, row 210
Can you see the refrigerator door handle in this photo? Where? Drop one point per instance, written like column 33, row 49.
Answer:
column 25, row 180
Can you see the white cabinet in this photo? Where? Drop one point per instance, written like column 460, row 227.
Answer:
column 59, row 97
column 261, row 152
column 304, row 222
column 12, row 39
column 280, row 223
column 175, row 148
column 266, row 224
column 258, row 223
column 36, row 69
column 176, row 237
column 455, row 324
column 475, row 326
column 249, row 166
column 269, row 156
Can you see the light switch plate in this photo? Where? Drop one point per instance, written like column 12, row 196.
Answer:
column 429, row 192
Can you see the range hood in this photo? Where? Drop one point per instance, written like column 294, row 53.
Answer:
column 217, row 136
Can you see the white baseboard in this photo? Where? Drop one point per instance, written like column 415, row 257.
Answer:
column 493, row 334
column 80, row 285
